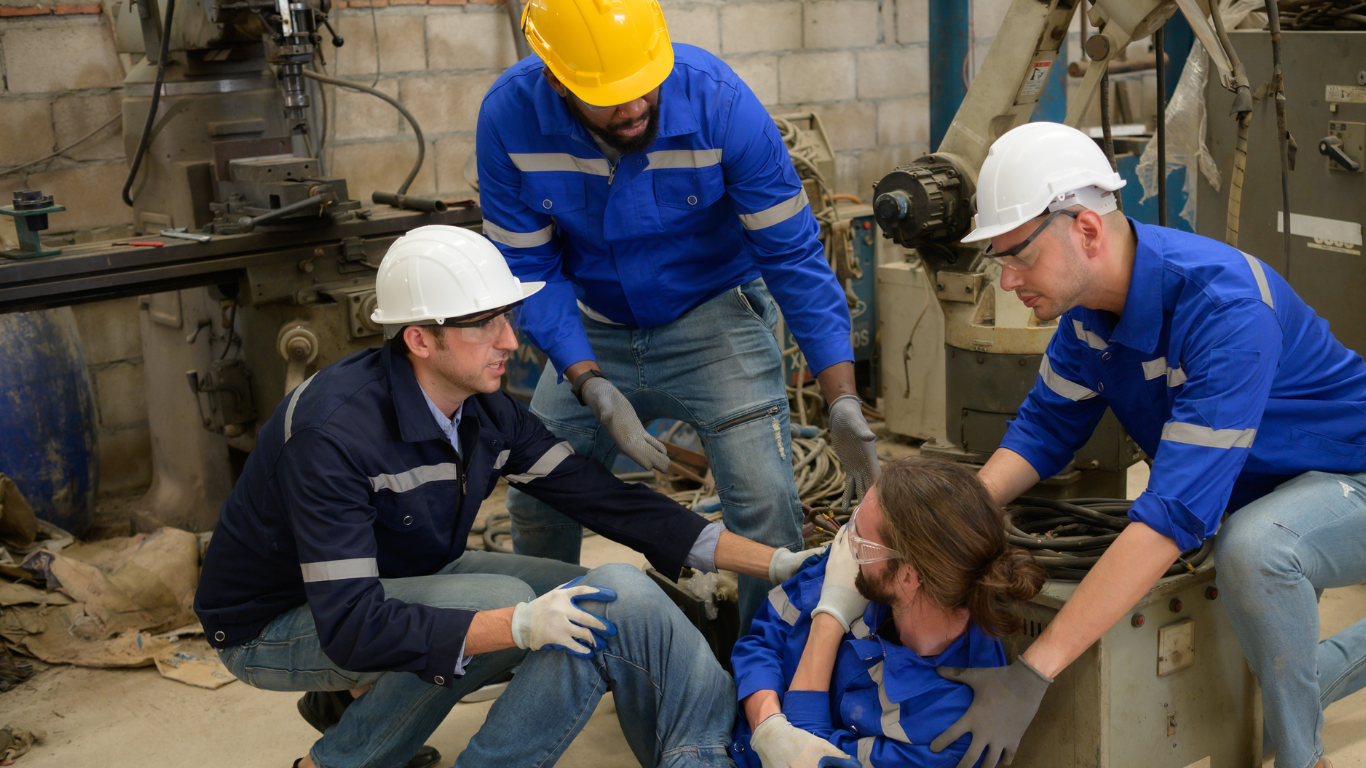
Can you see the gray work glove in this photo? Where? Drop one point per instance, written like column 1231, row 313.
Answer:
column 615, row 413
column 785, row 563
column 779, row 744
column 1004, row 700
column 856, row 445
column 840, row 597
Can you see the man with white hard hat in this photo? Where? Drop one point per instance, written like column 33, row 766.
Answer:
column 647, row 186
column 1248, row 405
column 339, row 567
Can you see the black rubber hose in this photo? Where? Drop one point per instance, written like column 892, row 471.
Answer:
column 1068, row 537
column 417, row 130
column 1273, row 20
column 156, row 102
column 1108, row 140
column 1159, row 47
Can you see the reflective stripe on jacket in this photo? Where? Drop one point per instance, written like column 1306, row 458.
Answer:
column 712, row 203
column 1217, row 369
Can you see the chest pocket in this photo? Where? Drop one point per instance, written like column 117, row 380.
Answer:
column 553, row 193
column 681, row 192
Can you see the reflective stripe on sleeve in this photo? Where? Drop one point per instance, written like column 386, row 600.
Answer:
column 406, row 481
column 683, row 158
column 777, row 214
column 1259, row 275
column 1156, row 369
column 501, row 460
column 1194, row 434
column 294, row 400
column 531, row 162
column 891, row 711
column 1063, row 387
column 544, row 465
column 859, row 628
column 783, row 606
column 518, row 239
column 336, row 570
column 865, row 751
column 1093, row 340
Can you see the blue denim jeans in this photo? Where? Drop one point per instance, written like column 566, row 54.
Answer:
column 1273, row 558
column 386, row 725
column 718, row 368
column 675, row 703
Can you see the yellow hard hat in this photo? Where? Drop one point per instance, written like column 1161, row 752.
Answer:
column 606, row 52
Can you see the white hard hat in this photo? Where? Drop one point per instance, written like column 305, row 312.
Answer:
column 438, row 272
column 1040, row 167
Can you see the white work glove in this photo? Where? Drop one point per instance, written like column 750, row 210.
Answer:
column 614, row 412
column 779, row 744
column 839, row 597
column 555, row 620
column 785, row 563
column 856, row 445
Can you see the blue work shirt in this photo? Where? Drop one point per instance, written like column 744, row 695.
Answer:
column 886, row 702
column 353, row 481
column 712, row 203
column 1217, row 369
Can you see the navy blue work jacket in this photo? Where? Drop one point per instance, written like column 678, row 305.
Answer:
column 352, row 480
column 886, row 702
column 712, row 203
column 1218, row 370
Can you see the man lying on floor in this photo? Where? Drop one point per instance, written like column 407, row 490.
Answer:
column 840, row 663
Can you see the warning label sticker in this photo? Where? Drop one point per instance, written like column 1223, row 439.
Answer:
column 1345, row 94
column 1038, row 75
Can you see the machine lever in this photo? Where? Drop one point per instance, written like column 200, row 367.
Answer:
column 248, row 223
column 1331, row 148
column 337, row 40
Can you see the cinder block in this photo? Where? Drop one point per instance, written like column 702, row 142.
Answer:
column 120, row 395
column 876, row 163
column 109, row 330
column 850, row 124
column 903, row 121
column 841, row 24
column 446, row 104
column 760, row 73
column 27, row 128
column 75, row 116
column 816, row 77
column 451, row 154
column 912, row 21
column 68, row 57
column 401, row 44
column 363, row 116
column 752, row 27
column 698, row 25
column 847, row 176
column 470, row 41
column 383, row 166
column 893, row 72
column 125, row 461
column 90, row 194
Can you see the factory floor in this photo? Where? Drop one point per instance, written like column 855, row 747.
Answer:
column 136, row 718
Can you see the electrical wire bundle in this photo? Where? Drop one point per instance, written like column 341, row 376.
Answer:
column 1068, row 537
column 1322, row 14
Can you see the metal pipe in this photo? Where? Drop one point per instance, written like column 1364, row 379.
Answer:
column 948, row 22
column 1159, row 55
column 392, row 200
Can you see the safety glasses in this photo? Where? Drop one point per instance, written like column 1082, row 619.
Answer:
column 1010, row 258
column 486, row 330
column 865, row 551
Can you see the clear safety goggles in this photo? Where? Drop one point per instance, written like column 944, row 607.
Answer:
column 863, row 550
column 486, row 330
column 1011, row 259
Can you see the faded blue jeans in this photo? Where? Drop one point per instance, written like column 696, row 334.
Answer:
column 1273, row 558
column 386, row 725
column 718, row 368
column 675, row 704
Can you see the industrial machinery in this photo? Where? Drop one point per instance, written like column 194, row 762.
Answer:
column 259, row 266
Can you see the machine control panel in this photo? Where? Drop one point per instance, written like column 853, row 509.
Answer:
column 1344, row 146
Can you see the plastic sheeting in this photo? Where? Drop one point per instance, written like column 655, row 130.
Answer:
column 1187, row 120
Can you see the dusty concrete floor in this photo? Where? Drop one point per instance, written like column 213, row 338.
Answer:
column 135, row 718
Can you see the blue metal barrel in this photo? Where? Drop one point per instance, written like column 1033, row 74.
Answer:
column 48, row 444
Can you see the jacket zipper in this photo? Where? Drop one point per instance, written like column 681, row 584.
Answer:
column 746, row 418
column 612, row 171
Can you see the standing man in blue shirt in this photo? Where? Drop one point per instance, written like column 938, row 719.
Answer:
column 1240, row 393
column 647, row 187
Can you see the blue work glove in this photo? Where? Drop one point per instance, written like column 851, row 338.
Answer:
column 838, row 762
column 555, row 620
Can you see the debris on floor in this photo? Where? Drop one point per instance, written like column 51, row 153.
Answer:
column 15, row 742
column 202, row 670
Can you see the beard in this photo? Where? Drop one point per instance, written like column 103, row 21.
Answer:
column 611, row 136
column 878, row 589
column 1072, row 284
